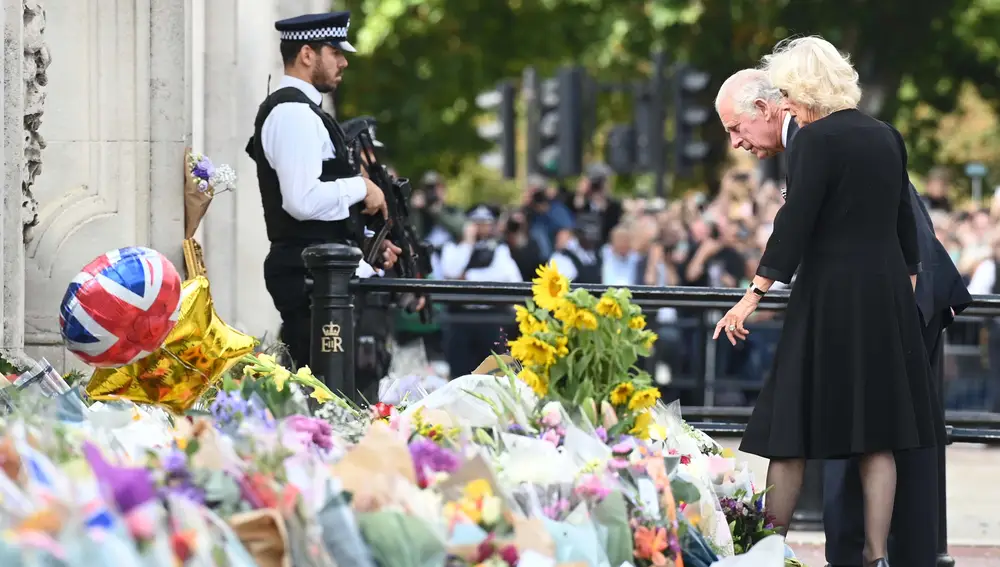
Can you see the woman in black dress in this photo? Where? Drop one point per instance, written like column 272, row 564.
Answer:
column 850, row 377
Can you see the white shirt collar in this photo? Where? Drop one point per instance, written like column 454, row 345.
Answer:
column 784, row 129
column 310, row 91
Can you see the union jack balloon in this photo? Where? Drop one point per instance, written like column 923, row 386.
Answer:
column 120, row 307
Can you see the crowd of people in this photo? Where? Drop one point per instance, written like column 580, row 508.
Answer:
column 696, row 241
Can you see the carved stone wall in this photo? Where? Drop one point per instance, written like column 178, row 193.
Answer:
column 36, row 62
column 116, row 124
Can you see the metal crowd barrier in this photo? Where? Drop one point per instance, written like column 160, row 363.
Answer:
column 332, row 349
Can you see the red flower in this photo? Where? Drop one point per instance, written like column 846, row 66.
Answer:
column 181, row 545
column 685, row 459
column 509, row 555
column 382, row 410
column 485, row 549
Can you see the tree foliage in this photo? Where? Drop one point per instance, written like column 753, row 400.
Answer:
column 423, row 62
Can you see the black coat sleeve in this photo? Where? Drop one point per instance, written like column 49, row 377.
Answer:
column 809, row 172
column 906, row 223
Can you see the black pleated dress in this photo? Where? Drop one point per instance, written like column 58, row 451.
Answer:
column 850, row 374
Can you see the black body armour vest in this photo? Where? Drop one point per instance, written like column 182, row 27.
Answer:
column 282, row 228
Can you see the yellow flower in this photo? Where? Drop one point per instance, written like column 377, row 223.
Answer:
column 657, row 432
column 561, row 345
column 478, row 489
column 549, row 287
column 526, row 322
column 305, row 372
column 641, row 427
column 532, row 351
column 279, row 377
column 638, row 322
column 537, row 384
column 621, row 394
column 608, row 307
column 650, row 339
column 644, row 399
column 575, row 318
column 321, row 395
column 267, row 359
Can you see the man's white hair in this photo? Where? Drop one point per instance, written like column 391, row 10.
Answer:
column 744, row 88
column 812, row 72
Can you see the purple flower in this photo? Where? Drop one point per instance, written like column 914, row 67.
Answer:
column 130, row 487
column 203, row 169
column 602, row 434
column 429, row 458
column 515, row 429
column 318, row 432
column 178, row 478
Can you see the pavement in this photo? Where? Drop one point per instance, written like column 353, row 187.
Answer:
column 973, row 505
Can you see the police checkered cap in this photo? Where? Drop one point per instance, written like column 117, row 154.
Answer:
column 320, row 34
column 329, row 28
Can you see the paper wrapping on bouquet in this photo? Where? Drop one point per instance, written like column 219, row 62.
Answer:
column 768, row 551
column 380, row 453
column 120, row 307
column 530, row 535
column 194, row 259
column 196, row 201
column 489, row 367
column 469, row 410
column 197, row 352
column 264, row 535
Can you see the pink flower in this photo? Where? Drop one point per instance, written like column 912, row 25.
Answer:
column 140, row 524
column 552, row 437
column 551, row 418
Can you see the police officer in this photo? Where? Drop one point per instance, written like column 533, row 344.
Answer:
column 471, row 334
column 308, row 181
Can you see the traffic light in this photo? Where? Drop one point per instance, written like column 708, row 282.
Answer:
column 557, row 124
column 688, row 84
column 501, row 129
column 620, row 149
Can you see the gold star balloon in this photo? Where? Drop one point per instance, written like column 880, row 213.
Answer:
column 197, row 352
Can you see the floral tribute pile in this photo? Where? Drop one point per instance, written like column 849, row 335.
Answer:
column 569, row 458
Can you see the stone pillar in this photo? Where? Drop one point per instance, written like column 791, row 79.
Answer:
column 11, row 215
column 169, row 124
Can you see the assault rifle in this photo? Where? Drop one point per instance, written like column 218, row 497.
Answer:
column 414, row 260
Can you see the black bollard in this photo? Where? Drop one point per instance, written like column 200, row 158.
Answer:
column 943, row 558
column 331, row 352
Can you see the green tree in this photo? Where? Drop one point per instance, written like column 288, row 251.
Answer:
column 422, row 62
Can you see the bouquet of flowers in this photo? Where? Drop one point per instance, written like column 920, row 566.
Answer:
column 581, row 351
column 748, row 521
column 203, row 180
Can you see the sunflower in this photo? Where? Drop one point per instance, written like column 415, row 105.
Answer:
column 561, row 347
column 530, row 350
column 640, row 428
column 575, row 318
column 650, row 339
column 644, row 399
column 638, row 322
column 526, row 322
column 538, row 384
column 608, row 307
column 621, row 393
column 549, row 287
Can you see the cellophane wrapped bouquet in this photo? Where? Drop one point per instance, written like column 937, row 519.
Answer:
column 562, row 455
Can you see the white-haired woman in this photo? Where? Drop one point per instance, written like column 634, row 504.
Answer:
column 850, row 376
